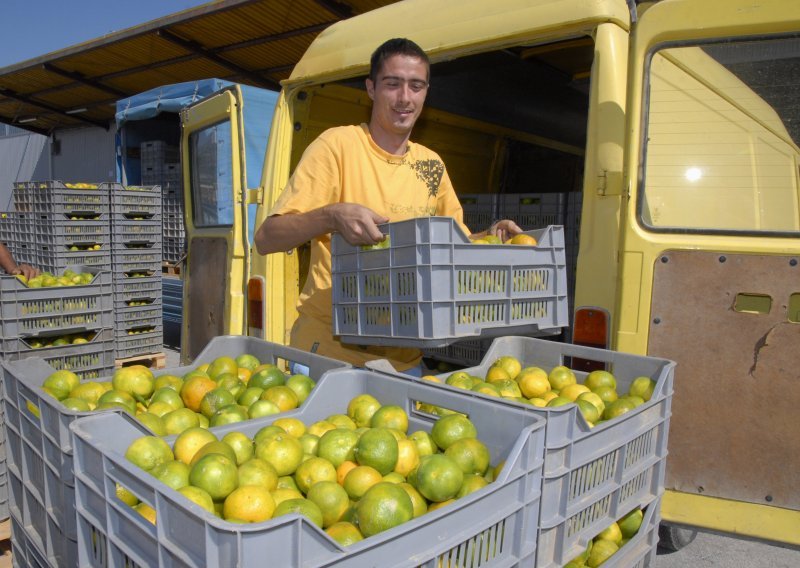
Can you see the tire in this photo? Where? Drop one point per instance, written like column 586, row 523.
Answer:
column 672, row 538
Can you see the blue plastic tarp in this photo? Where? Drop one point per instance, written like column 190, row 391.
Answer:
column 258, row 108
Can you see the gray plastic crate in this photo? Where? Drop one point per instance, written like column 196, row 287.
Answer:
column 54, row 231
column 88, row 360
column 432, row 286
column 174, row 249
column 56, row 197
column 44, row 422
column 134, row 201
column 503, row 513
column 24, row 553
column 465, row 353
column 147, row 341
column 125, row 231
column 7, row 229
column 26, row 310
column 592, row 476
column 640, row 550
column 124, row 259
column 158, row 151
column 480, row 211
column 56, row 258
column 23, row 197
column 534, row 209
column 129, row 289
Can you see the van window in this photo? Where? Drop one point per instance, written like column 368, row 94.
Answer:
column 722, row 127
column 211, row 162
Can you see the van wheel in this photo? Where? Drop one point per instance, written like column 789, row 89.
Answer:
column 672, row 538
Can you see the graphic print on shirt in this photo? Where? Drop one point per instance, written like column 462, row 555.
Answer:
column 430, row 172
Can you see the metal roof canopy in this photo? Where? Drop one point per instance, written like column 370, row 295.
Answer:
column 255, row 42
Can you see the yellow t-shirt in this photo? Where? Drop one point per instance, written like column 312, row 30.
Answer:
column 344, row 165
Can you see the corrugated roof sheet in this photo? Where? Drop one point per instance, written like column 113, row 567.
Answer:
column 256, row 42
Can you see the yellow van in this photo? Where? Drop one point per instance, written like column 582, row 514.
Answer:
column 670, row 137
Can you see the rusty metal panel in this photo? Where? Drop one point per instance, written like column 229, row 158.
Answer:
column 735, row 430
column 205, row 303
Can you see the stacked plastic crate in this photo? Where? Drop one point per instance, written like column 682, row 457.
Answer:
column 136, row 216
column 7, row 230
column 161, row 166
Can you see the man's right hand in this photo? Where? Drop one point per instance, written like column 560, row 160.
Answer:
column 356, row 223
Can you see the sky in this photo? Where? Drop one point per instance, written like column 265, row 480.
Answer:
column 30, row 28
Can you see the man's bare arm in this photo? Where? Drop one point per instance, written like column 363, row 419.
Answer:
column 356, row 223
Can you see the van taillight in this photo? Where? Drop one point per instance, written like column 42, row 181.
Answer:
column 255, row 307
column 591, row 330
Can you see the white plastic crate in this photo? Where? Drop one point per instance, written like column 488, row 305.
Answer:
column 493, row 525
column 432, row 286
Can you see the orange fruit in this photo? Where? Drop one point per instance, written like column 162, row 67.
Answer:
column 312, row 471
column 343, row 469
column 589, row 410
column 572, row 392
column 247, row 361
column 310, row 444
column 216, row 447
column 283, row 397
column 361, row 408
column 194, row 389
column 267, row 433
column 561, row 376
column 594, row 399
column 159, row 408
column 522, row 239
column 249, row 503
column 281, row 494
column 425, row 444
column 76, row 404
column 244, row 374
column 439, row 477
column 146, row 511
column 390, row 416
column 341, row 421
column 486, row 388
column 216, row 474
column 511, row 365
column 558, row 401
column 222, row 365
column 198, row 496
column 407, row 457
column 377, row 448
column 152, row 423
column 304, row 507
column 189, row 441
column 136, row 380
column 606, row 394
column 383, row 506
column 338, row 445
column 282, row 451
column 266, row 377
column 88, row 392
column 249, row 396
column 168, row 396
column 471, row 483
column 228, row 415
column 215, row 399
column 418, row 502
column 118, row 399
column 292, row 426
column 460, row 379
column 179, row 420
column 168, row 381
column 148, row 452
column 173, row 473
column 451, row 428
column 629, row 524
column 332, row 500
column 602, row 550
column 301, row 385
column 258, row 472
column 359, row 479
column 262, row 408
column 242, row 446
column 618, row 408
column 508, row 388
column 471, row 455
column 344, row 533
column 497, row 373
column 600, row 378
column 533, row 382
column 642, row 387
column 321, row 427
column 126, row 496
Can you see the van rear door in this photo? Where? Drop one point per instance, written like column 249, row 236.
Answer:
column 216, row 220
column 710, row 250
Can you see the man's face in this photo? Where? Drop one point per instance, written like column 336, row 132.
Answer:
column 398, row 94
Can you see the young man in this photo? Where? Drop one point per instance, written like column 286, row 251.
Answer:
column 8, row 264
column 352, row 178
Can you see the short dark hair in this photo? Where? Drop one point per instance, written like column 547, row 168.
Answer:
column 395, row 46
